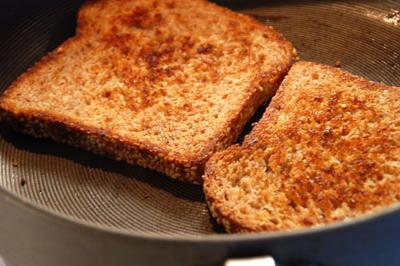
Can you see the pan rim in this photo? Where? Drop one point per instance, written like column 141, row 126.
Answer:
column 201, row 238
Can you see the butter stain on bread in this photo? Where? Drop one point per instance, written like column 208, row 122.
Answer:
column 161, row 84
column 326, row 149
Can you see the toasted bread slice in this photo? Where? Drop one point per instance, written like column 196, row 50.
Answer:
column 162, row 84
column 326, row 149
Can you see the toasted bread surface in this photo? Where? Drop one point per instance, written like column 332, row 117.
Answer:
column 162, row 84
column 326, row 149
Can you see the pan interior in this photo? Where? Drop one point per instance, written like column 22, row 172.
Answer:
column 362, row 36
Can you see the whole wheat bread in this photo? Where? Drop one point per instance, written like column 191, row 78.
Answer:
column 162, row 84
column 326, row 149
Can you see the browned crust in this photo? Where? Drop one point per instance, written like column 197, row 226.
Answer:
column 185, row 167
column 43, row 125
column 271, row 112
column 226, row 216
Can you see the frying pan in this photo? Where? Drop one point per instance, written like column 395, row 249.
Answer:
column 63, row 206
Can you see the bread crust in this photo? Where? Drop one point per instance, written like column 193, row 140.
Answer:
column 184, row 166
column 311, row 186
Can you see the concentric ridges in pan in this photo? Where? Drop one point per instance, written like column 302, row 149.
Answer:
column 116, row 195
column 29, row 31
column 354, row 33
column 96, row 190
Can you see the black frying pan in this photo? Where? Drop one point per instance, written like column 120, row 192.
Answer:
column 63, row 206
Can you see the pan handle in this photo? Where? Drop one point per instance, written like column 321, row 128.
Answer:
column 2, row 261
column 253, row 261
column 259, row 261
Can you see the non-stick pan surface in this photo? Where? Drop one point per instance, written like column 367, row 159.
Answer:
column 361, row 36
